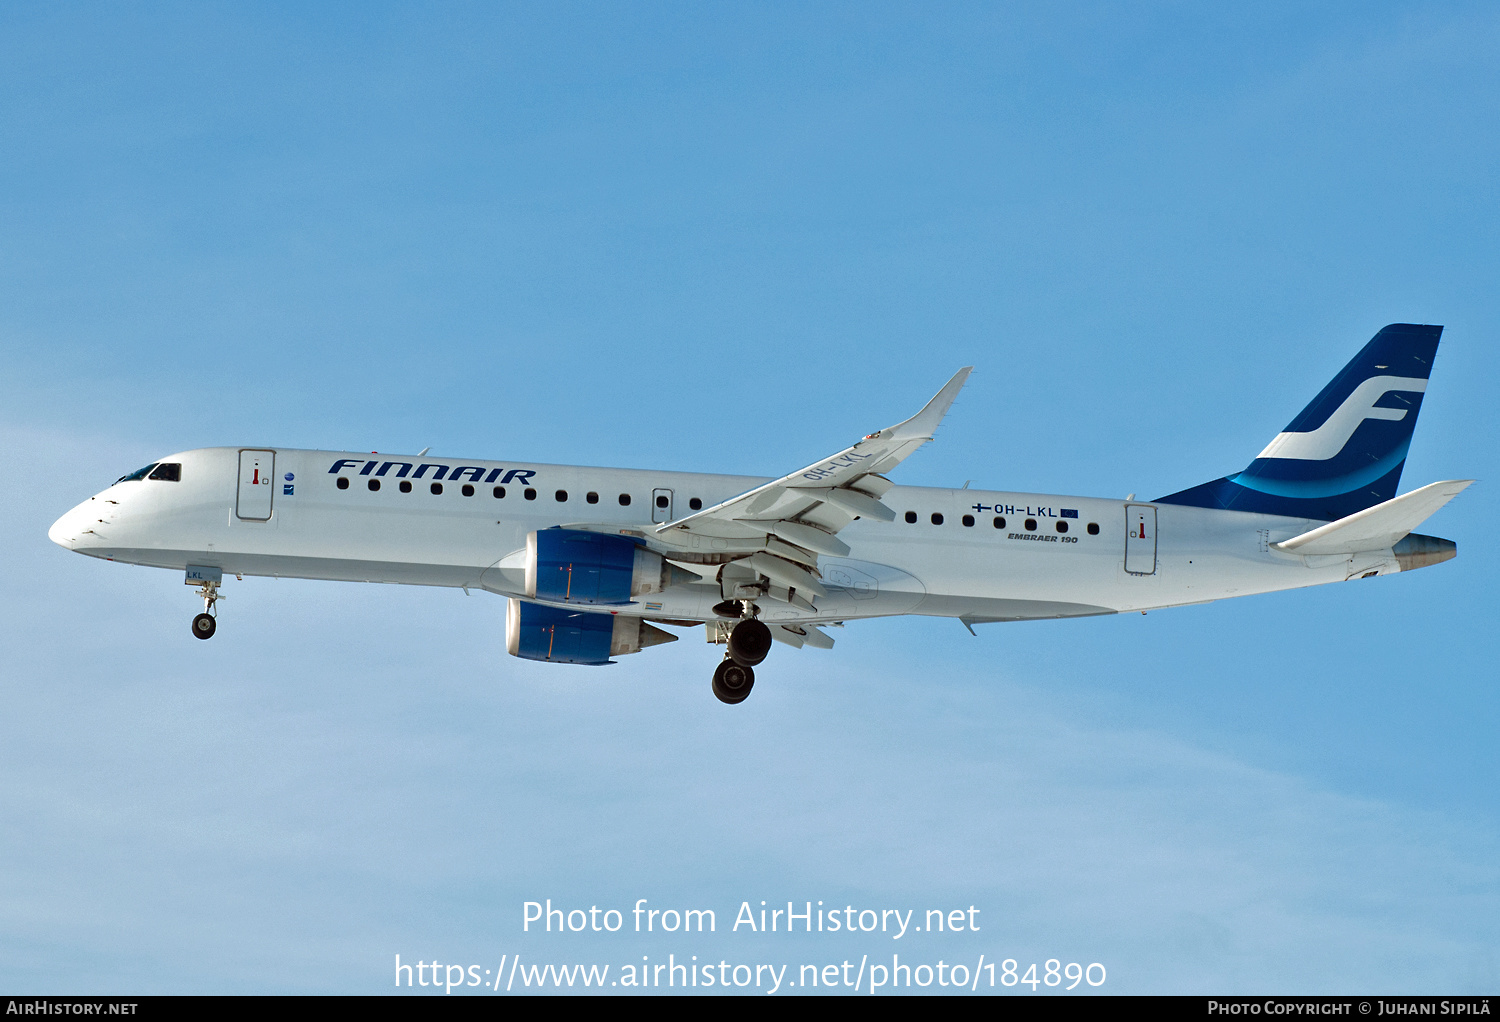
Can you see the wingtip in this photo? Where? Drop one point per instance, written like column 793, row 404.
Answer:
column 953, row 386
column 1455, row 486
column 932, row 413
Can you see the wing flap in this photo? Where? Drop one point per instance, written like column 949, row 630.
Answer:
column 786, row 573
column 852, row 502
column 811, row 538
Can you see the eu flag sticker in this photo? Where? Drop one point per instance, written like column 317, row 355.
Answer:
column 1070, row 512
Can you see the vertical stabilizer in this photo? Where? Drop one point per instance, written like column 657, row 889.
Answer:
column 1344, row 452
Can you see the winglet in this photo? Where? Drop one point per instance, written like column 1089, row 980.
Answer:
column 925, row 422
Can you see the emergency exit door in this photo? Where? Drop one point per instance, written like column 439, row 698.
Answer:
column 1140, row 539
column 257, row 470
column 661, row 505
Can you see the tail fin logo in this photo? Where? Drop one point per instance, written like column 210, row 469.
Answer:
column 1329, row 439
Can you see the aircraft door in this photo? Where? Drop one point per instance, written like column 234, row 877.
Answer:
column 661, row 505
column 257, row 470
column 1140, row 539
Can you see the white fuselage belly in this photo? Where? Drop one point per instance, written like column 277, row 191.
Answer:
column 979, row 572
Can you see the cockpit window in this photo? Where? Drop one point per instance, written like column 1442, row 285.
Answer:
column 167, row 471
column 139, row 473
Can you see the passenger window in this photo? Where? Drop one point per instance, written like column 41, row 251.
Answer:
column 468, row 491
column 1031, row 525
column 373, row 484
column 591, row 497
column 406, row 486
column 661, row 501
column 561, row 495
column 499, row 492
column 695, row 504
column 530, row 494
column 937, row 518
column 999, row 523
column 624, row 500
column 167, row 472
column 343, row 483
column 968, row 520
column 436, row 488
column 1062, row 526
column 911, row 518
column 1093, row 528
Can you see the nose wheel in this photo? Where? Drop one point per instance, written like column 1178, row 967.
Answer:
column 206, row 623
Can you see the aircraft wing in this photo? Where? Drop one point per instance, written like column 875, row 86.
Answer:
column 797, row 517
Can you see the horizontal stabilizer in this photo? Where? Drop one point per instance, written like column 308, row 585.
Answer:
column 1376, row 528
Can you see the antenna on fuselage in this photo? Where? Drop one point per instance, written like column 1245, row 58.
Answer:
column 423, row 452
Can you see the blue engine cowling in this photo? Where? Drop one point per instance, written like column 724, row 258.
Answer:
column 572, row 566
column 563, row 636
column 558, row 635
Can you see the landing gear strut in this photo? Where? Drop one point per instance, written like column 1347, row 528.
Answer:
column 205, row 624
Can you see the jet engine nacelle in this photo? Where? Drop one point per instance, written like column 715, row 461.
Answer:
column 562, row 636
column 573, row 566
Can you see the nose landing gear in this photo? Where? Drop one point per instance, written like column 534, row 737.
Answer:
column 205, row 624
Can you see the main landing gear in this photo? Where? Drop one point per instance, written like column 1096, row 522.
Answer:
column 206, row 623
column 733, row 682
column 749, row 643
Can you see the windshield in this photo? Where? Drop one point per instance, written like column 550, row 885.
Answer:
column 139, row 473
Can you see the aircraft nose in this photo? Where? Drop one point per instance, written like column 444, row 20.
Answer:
column 60, row 533
column 65, row 531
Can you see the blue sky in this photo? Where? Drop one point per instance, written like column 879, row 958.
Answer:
column 724, row 237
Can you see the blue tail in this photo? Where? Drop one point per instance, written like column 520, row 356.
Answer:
column 1346, row 449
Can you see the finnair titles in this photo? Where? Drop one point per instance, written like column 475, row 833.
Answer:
column 596, row 563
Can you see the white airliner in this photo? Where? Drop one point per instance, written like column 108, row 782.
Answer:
column 593, row 560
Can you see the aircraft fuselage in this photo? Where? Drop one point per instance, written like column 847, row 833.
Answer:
column 981, row 555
